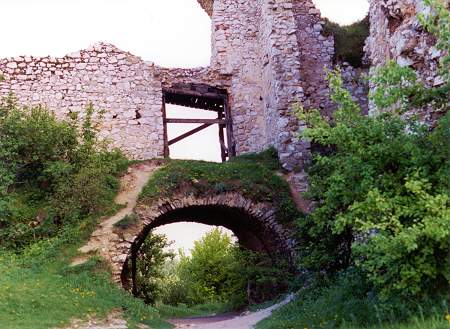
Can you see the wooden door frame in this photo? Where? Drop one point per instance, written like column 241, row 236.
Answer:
column 224, row 120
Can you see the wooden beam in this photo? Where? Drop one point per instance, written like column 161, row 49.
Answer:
column 188, row 92
column 229, row 128
column 210, row 121
column 223, row 147
column 189, row 133
column 166, row 144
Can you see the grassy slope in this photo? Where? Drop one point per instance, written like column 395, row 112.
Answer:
column 40, row 290
column 291, row 317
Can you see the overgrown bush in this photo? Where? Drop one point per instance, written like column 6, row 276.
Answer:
column 381, row 186
column 208, row 271
column 51, row 172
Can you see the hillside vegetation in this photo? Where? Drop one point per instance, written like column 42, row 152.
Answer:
column 376, row 249
column 56, row 180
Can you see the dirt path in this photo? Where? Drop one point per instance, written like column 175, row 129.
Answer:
column 224, row 321
column 229, row 322
column 131, row 185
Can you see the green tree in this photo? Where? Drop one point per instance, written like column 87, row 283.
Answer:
column 208, row 271
column 151, row 258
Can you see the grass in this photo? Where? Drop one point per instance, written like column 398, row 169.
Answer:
column 289, row 318
column 436, row 322
column 344, row 304
column 252, row 175
column 40, row 289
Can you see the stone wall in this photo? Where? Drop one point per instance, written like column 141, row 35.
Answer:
column 317, row 52
column 275, row 54
column 355, row 82
column 267, row 54
column 128, row 89
column 236, row 53
column 120, row 83
column 396, row 34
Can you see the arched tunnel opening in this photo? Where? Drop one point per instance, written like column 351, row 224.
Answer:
column 254, row 234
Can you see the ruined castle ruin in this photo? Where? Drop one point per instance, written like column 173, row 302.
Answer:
column 266, row 55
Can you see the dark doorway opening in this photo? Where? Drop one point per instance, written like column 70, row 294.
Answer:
column 201, row 97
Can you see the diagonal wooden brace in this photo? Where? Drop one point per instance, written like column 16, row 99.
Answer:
column 189, row 133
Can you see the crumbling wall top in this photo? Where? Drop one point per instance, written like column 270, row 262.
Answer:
column 207, row 5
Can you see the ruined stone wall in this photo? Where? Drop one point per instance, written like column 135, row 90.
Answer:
column 121, row 84
column 317, row 52
column 257, row 44
column 267, row 54
column 396, row 34
column 128, row 89
column 355, row 82
column 236, row 53
column 282, row 80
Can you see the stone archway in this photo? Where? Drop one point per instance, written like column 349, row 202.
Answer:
column 254, row 224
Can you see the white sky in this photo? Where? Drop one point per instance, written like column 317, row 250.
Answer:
column 168, row 32
column 171, row 33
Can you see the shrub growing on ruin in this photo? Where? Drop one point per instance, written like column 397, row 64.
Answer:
column 51, row 172
column 381, row 188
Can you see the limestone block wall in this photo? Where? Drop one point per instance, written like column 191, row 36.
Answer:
column 396, row 34
column 317, row 52
column 257, row 43
column 355, row 83
column 236, row 53
column 121, row 84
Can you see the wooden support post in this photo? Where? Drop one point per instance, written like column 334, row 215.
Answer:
column 223, row 147
column 229, row 127
column 166, row 138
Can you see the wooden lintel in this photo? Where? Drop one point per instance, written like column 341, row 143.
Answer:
column 189, row 133
column 209, row 121
column 189, row 92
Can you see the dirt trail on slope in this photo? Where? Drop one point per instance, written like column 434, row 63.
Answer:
column 131, row 185
column 229, row 322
